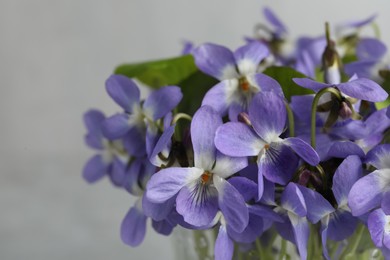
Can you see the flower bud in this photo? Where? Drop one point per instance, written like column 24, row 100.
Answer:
column 244, row 118
column 345, row 111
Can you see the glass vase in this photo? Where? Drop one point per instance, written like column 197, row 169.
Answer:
column 199, row 245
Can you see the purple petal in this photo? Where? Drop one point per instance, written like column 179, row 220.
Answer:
column 360, row 23
column 292, row 200
column 268, row 197
column 225, row 166
column 249, row 56
column 379, row 157
column 343, row 149
column 238, row 106
column 187, row 47
column 131, row 183
column 324, row 237
column 377, row 122
column 116, row 126
column 197, row 203
column 167, row 182
column 262, row 167
column 221, row 95
column 366, row 193
column 163, row 227
column 364, row 89
column 224, row 246
column 232, row 205
column 304, row 150
column 94, row 140
column 285, row 229
column 163, row 146
column 123, row 91
column 376, row 225
column 135, row 142
column 157, row 211
column 385, row 203
column 151, row 137
column 341, row 225
column 133, row 227
column 274, row 20
column 215, row 60
column 265, row 212
column 254, row 229
column 301, row 233
column 361, row 68
column 118, row 172
column 268, row 115
column 278, row 164
column 317, row 206
column 349, row 171
column 93, row 120
column 311, row 84
column 370, row 48
column 94, row 169
column 266, row 83
column 246, row 187
column 238, row 139
column 203, row 127
column 162, row 101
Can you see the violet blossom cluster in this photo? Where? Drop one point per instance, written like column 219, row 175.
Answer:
column 252, row 159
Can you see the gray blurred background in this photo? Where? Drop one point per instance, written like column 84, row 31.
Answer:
column 54, row 58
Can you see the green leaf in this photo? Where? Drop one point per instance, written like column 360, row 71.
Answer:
column 160, row 73
column 284, row 76
column 194, row 88
column 386, row 86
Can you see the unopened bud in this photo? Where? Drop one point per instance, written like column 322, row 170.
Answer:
column 304, row 177
column 244, row 118
column 345, row 111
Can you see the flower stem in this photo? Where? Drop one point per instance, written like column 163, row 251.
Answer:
column 317, row 97
column 290, row 115
column 283, row 249
column 178, row 127
column 259, row 249
column 350, row 250
column 179, row 116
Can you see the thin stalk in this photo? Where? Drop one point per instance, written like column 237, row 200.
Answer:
column 179, row 116
column 283, row 249
column 175, row 119
column 349, row 250
column 317, row 97
column 327, row 33
column 290, row 115
column 259, row 249
column 376, row 29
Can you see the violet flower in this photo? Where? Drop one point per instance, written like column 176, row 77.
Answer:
column 378, row 224
column 202, row 190
column 276, row 157
column 340, row 224
column 299, row 205
column 131, row 124
column 133, row 227
column 373, row 190
column 238, row 73
column 110, row 160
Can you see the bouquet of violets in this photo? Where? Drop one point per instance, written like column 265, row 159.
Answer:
column 278, row 153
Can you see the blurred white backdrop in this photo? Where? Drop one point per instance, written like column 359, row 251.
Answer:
column 54, row 58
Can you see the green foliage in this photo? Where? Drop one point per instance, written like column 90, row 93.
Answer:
column 284, row 76
column 160, row 73
column 386, row 86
